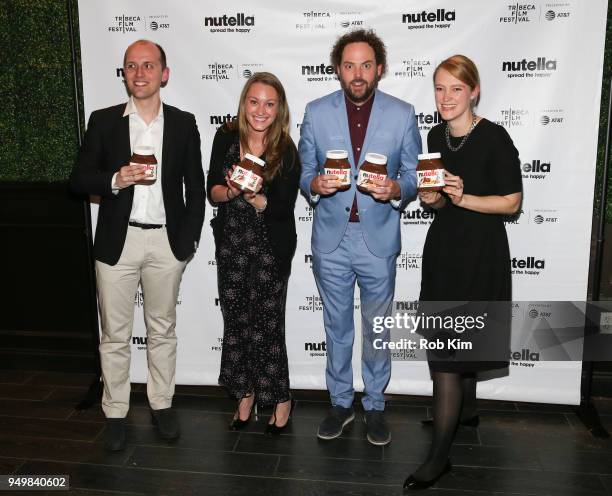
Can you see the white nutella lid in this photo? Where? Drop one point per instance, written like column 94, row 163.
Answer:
column 336, row 154
column 429, row 156
column 144, row 150
column 376, row 158
column 255, row 159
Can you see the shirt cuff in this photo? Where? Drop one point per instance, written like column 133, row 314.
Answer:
column 114, row 187
column 395, row 203
column 314, row 198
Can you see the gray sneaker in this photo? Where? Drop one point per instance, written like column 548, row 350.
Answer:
column 377, row 427
column 337, row 419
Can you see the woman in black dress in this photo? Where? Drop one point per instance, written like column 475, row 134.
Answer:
column 466, row 256
column 255, row 241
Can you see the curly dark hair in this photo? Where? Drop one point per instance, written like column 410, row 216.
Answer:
column 356, row 36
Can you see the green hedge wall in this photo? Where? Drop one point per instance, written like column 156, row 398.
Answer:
column 38, row 134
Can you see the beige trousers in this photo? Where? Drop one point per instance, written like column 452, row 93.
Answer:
column 146, row 259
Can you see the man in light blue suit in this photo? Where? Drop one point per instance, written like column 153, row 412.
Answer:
column 356, row 236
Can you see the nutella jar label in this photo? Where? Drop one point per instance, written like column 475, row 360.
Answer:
column 145, row 157
column 248, row 174
column 430, row 172
column 373, row 169
column 337, row 164
column 429, row 178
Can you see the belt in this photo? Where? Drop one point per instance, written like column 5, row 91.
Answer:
column 145, row 226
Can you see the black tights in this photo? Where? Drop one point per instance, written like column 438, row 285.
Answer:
column 454, row 399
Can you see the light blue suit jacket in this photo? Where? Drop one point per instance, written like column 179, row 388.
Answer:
column 392, row 131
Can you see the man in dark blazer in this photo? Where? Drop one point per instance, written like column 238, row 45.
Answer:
column 145, row 232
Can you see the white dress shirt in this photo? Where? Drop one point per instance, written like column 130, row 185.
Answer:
column 148, row 203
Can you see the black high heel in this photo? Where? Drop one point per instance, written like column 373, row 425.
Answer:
column 470, row 422
column 275, row 430
column 237, row 423
column 413, row 484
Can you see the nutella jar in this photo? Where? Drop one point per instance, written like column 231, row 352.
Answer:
column 374, row 167
column 248, row 174
column 430, row 172
column 145, row 155
column 337, row 164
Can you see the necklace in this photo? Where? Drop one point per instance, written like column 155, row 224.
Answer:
column 447, row 134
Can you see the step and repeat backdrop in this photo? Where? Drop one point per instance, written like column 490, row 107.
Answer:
column 541, row 67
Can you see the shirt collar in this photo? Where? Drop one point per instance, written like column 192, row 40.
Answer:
column 130, row 108
column 365, row 107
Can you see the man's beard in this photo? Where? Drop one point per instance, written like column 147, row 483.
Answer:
column 369, row 89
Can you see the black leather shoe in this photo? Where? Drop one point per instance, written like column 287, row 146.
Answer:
column 114, row 434
column 277, row 430
column 377, row 428
column 413, row 484
column 167, row 423
column 470, row 422
column 337, row 419
column 237, row 423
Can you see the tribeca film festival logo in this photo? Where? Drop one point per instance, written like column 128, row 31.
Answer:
column 537, row 68
column 519, row 13
column 514, row 219
column 433, row 19
column 528, row 266
column 415, row 68
column 238, row 23
column 536, row 169
column 513, row 117
column 320, row 72
column 306, row 214
column 409, row 261
column 132, row 24
column 551, row 117
column 311, row 304
column 318, row 20
column 426, row 121
column 218, row 72
column 418, row 216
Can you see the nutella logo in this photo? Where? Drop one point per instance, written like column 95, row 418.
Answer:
column 530, row 266
column 535, row 169
column 313, row 70
column 541, row 67
column 140, row 342
column 523, row 357
column 418, row 216
column 316, row 349
column 440, row 15
column 410, row 305
column 426, row 121
column 219, row 120
column 239, row 23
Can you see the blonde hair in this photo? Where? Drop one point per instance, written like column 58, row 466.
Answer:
column 277, row 137
column 464, row 70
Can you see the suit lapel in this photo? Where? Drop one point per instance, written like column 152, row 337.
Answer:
column 375, row 119
column 123, row 138
column 168, row 142
column 342, row 119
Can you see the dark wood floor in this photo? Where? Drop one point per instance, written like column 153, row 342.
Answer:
column 519, row 448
